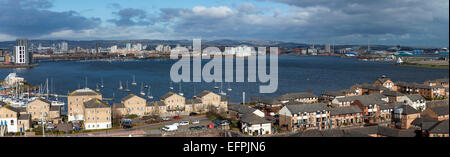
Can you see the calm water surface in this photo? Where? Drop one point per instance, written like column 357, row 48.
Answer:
column 296, row 74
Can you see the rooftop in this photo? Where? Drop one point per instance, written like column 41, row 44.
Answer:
column 84, row 92
column 96, row 103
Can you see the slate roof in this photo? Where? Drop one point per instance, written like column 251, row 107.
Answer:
column 383, row 79
column 431, row 104
column 368, row 102
column 425, row 122
column 253, row 119
column 408, row 110
column 345, row 110
column 441, row 110
column 45, row 101
column 96, row 103
column 440, row 128
column 293, row 96
column 372, row 87
column 158, row 103
column 309, row 108
column 415, row 85
column 166, row 95
column 24, row 117
column 193, row 101
column 203, row 93
column 391, row 105
column 11, row 108
column 270, row 101
column 334, row 93
column 393, row 132
column 390, row 93
column 361, row 97
column 241, row 108
column 415, row 97
column 119, row 105
column 128, row 97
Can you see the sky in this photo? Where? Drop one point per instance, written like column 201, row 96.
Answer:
column 386, row 22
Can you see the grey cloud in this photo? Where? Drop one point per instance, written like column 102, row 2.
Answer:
column 27, row 18
column 131, row 17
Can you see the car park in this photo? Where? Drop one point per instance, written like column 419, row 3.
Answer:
column 196, row 122
column 184, row 123
column 169, row 128
column 165, row 118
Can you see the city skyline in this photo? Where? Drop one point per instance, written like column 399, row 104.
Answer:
column 414, row 23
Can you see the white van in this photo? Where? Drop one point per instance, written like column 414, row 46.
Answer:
column 170, row 128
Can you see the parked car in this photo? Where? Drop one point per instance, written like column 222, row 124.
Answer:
column 193, row 114
column 184, row 123
column 176, row 117
column 127, row 126
column 224, row 122
column 176, row 124
column 165, row 118
column 196, row 122
column 170, row 128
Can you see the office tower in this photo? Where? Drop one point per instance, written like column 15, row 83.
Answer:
column 128, row 46
column 22, row 54
column 64, row 47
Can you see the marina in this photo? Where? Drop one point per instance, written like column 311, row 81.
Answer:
column 296, row 74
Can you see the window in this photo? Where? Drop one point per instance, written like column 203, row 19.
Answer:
column 12, row 122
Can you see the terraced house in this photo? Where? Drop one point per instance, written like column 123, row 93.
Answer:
column 97, row 114
column 175, row 104
column 385, row 82
column 209, row 99
column 75, row 101
column 42, row 110
column 422, row 89
column 404, row 116
column 346, row 116
column 12, row 121
column 298, row 117
column 303, row 97
column 132, row 105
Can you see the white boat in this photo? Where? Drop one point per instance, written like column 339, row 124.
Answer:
column 142, row 89
column 149, row 94
column 399, row 60
column 102, row 86
column 127, row 89
column 96, row 88
column 229, row 88
column 171, row 86
column 134, row 81
column 221, row 91
column 215, row 86
column 120, row 86
column 57, row 103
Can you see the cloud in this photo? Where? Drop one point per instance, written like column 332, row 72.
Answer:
column 28, row 18
column 131, row 17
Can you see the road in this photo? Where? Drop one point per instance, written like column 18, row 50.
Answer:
column 134, row 130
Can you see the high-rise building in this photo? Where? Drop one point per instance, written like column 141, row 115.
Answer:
column 64, row 47
column 113, row 49
column 159, row 48
column 327, row 48
column 22, row 54
column 128, row 46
